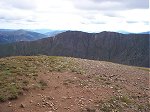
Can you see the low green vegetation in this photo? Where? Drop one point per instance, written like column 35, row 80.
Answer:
column 115, row 104
column 145, row 69
column 18, row 74
column 42, row 84
column 121, row 104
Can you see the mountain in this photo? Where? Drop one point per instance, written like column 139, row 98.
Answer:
column 48, row 32
column 9, row 36
column 130, row 49
column 54, row 33
column 42, row 31
column 148, row 32
column 6, row 30
column 124, row 32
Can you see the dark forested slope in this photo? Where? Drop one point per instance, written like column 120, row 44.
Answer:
column 130, row 49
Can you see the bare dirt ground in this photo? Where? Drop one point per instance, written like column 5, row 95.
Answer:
column 104, row 87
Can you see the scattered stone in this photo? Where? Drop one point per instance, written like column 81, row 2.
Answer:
column 56, row 87
column 64, row 97
column 111, row 87
column 44, row 100
column 90, row 100
column 9, row 105
column 31, row 101
column 67, row 108
column 147, row 88
column 38, row 94
column 43, row 105
column 50, row 98
column 22, row 105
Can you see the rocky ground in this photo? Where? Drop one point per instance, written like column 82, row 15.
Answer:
column 82, row 86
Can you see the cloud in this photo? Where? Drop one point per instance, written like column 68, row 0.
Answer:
column 93, row 22
column 19, row 4
column 6, row 16
column 100, row 5
column 132, row 22
column 29, row 20
column 146, row 22
column 85, row 15
column 111, row 14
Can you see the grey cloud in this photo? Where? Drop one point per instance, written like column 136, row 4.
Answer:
column 10, row 18
column 88, row 17
column 86, row 23
column 100, row 5
column 93, row 22
column 91, row 19
column 146, row 22
column 31, row 21
column 97, row 22
column 19, row 4
column 14, row 18
column 132, row 22
column 111, row 14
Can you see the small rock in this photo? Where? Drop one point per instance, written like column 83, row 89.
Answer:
column 38, row 94
column 64, row 97
column 22, row 105
column 43, row 105
column 43, row 100
column 90, row 100
column 50, row 98
column 31, row 101
column 147, row 88
column 9, row 105
column 67, row 108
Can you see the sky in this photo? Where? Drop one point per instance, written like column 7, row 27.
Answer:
column 83, row 15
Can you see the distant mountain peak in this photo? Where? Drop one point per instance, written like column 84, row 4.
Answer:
column 9, row 36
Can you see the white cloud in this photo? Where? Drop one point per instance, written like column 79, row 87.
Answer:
column 19, row 4
column 86, row 15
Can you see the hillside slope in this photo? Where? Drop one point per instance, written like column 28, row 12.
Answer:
column 130, row 49
column 61, row 84
column 9, row 36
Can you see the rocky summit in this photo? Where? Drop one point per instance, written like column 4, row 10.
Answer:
column 65, row 84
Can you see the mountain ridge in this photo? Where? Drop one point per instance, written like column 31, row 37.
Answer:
column 10, row 36
column 130, row 49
